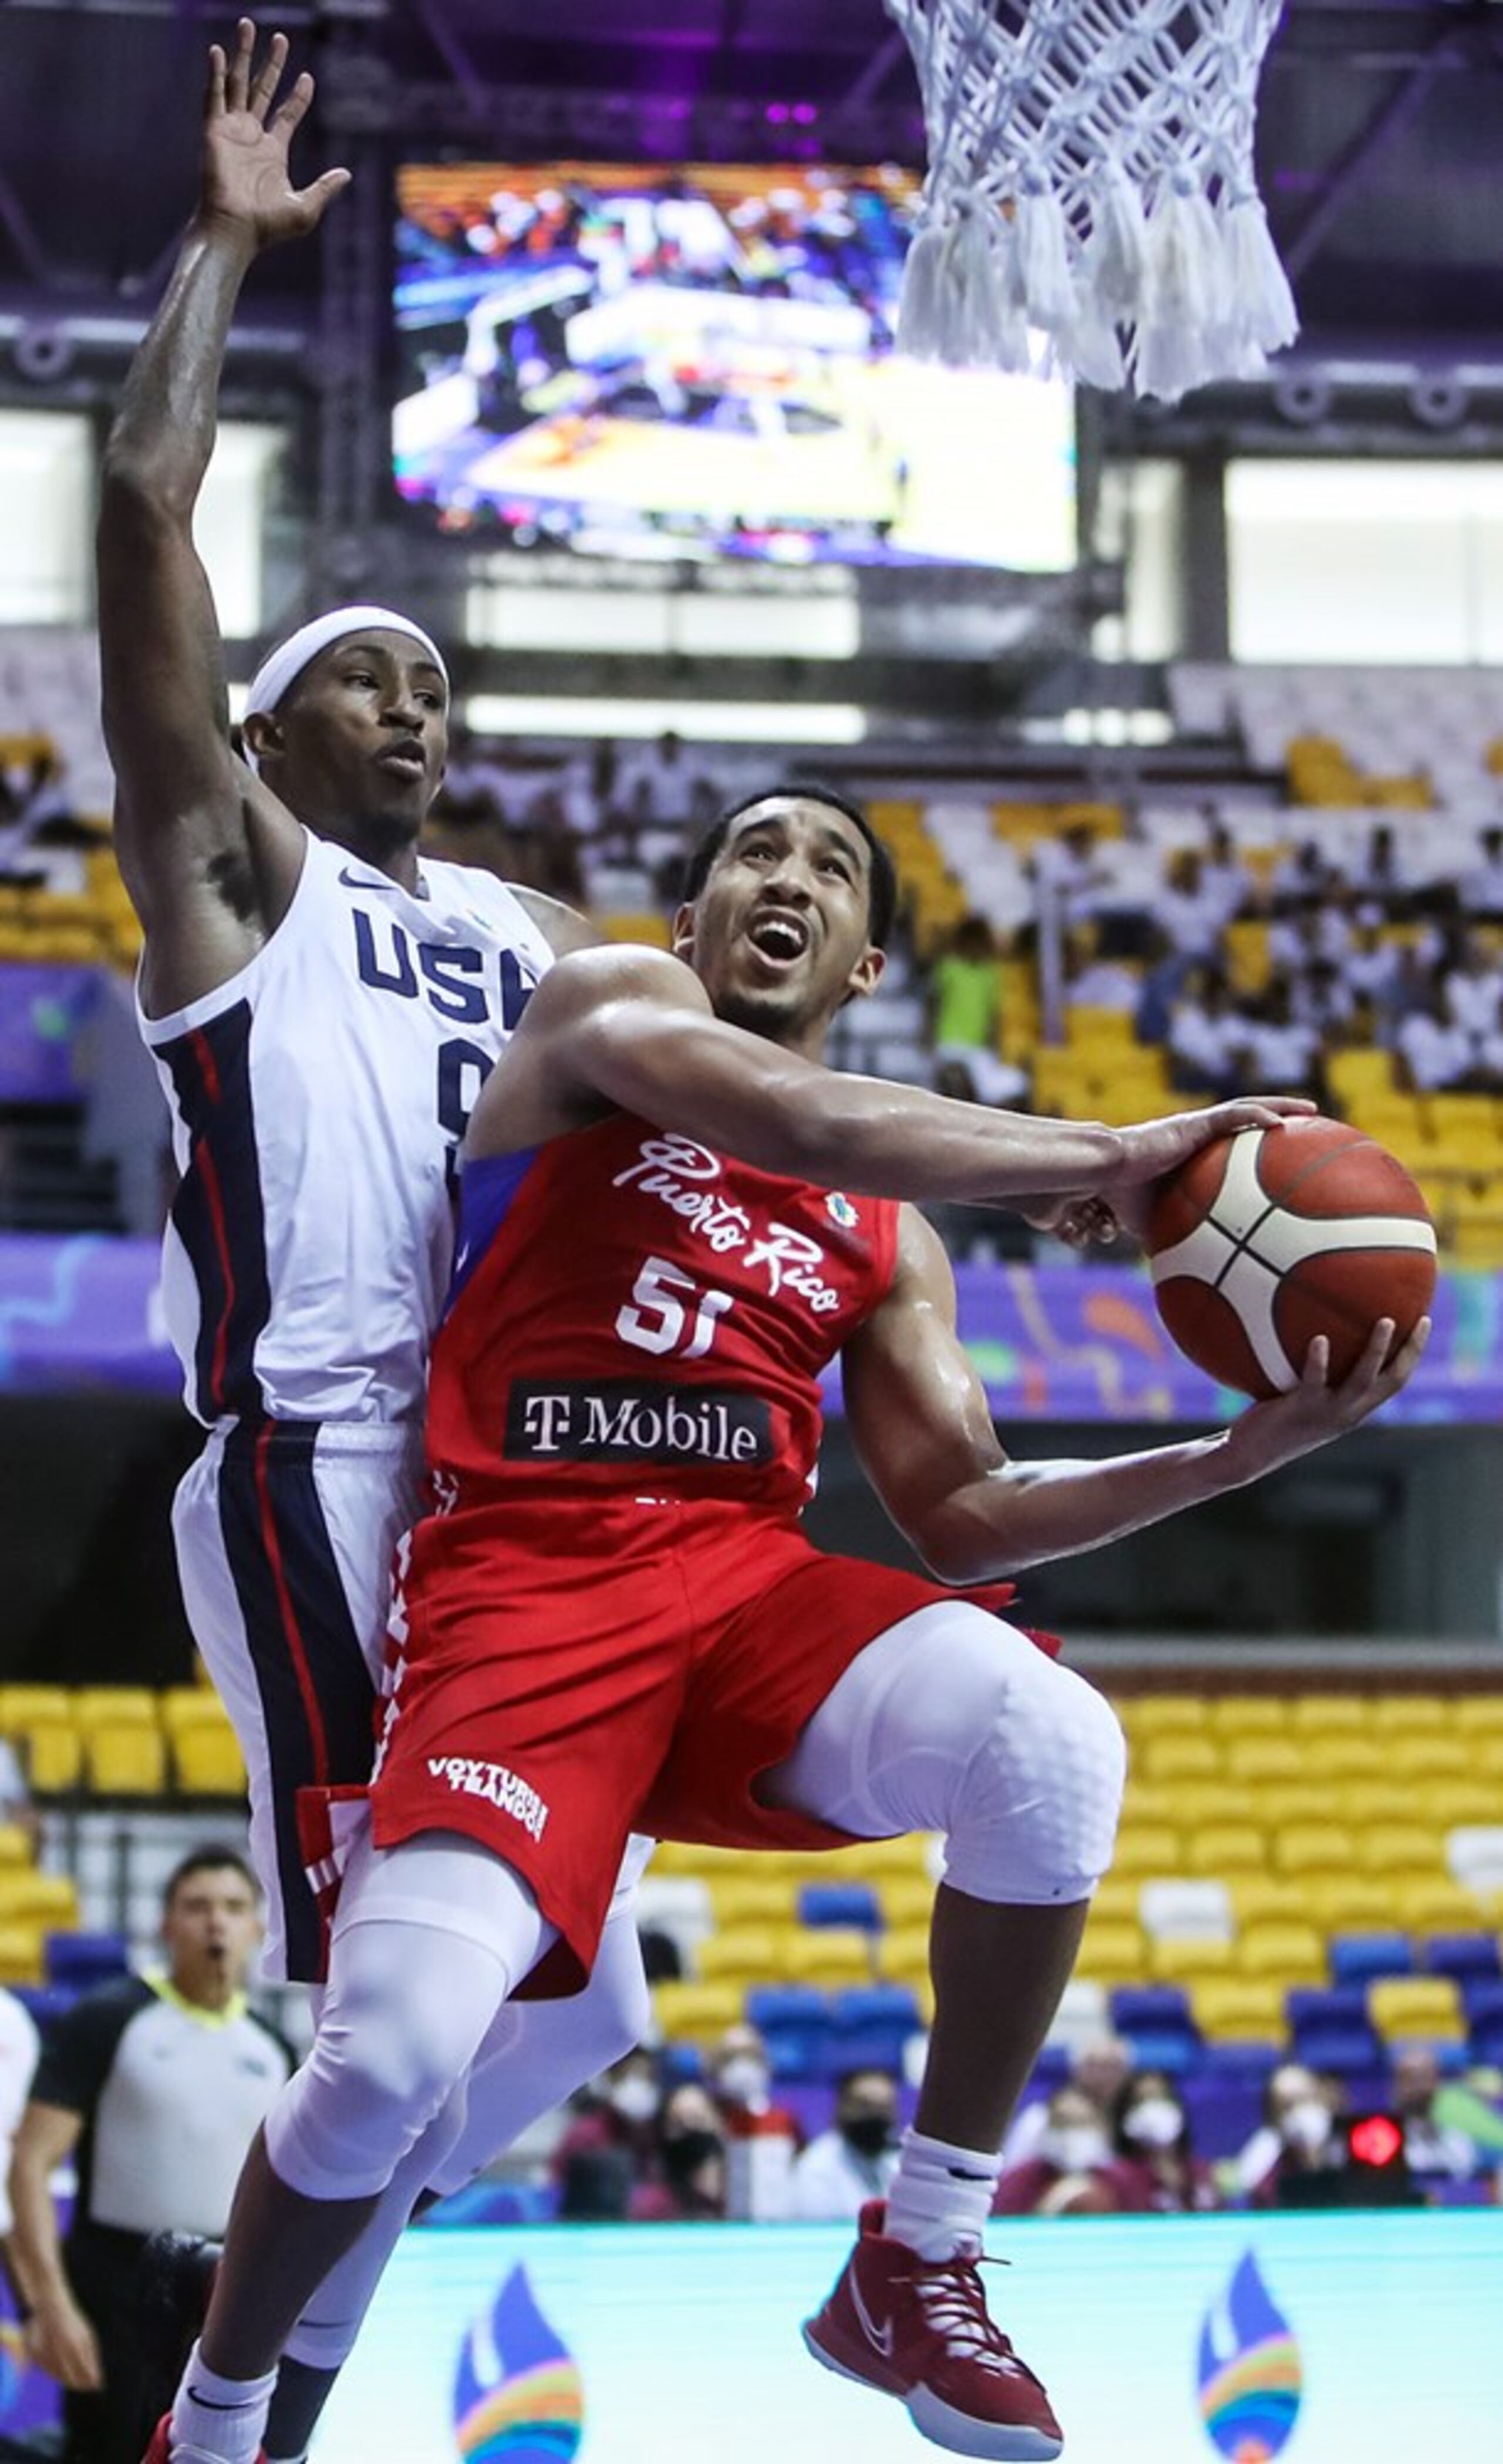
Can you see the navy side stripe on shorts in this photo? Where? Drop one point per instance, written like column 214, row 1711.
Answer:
column 218, row 1212
column 317, row 1698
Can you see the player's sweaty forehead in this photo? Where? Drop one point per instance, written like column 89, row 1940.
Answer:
column 799, row 821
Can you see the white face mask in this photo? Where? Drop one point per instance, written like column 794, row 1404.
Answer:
column 1077, row 2148
column 1307, row 2125
column 1155, row 2122
column 634, row 2098
column 743, row 2079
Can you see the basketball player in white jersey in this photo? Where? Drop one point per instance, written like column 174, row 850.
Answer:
column 323, row 1006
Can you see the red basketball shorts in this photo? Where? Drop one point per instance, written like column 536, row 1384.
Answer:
column 568, row 1673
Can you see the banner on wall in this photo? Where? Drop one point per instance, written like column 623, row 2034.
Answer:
column 1051, row 1343
column 1358, row 2339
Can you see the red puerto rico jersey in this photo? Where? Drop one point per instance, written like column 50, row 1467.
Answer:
column 629, row 1306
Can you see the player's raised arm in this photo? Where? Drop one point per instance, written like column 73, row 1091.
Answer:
column 209, row 857
column 924, row 1431
column 634, row 1029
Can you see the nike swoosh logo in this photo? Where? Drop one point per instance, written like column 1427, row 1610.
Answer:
column 363, row 881
column 880, row 2337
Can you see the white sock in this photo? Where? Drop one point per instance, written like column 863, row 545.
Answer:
column 215, row 2420
column 940, row 2196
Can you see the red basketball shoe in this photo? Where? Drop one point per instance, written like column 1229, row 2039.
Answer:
column 919, row 2329
column 160, row 2451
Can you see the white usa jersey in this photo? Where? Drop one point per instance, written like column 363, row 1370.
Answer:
column 317, row 1102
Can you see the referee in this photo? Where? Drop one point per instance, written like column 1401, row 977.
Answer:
column 155, row 2086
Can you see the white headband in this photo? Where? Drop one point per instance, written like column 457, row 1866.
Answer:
column 281, row 668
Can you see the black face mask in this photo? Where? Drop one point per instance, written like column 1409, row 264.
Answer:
column 868, row 2133
column 688, row 2149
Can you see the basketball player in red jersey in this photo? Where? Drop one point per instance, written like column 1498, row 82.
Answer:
column 613, row 1617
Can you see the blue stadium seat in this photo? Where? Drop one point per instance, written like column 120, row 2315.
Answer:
column 1157, row 2021
column 840, row 1903
column 794, row 2023
column 1469, row 1957
column 870, row 2025
column 1356, row 1957
column 80, row 1961
column 1329, row 2006
column 1239, row 2058
column 45, row 2002
column 1482, row 1999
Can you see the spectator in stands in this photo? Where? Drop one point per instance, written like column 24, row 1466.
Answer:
column 1472, row 991
column 1371, row 966
column 1192, row 915
column 856, row 2158
column 1382, row 877
column 618, row 2116
column 1065, row 871
column 1429, row 1053
column 691, row 2173
column 1303, row 879
column 15, row 1798
column 1297, row 2135
column 1311, row 933
column 19, row 2046
column 1094, row 981
column 1153, row 2168
column 1098, row 2065
column 964, row 1018
column 1205, row 1034
column 1069, row 2172
column 1278, row 1055
column 1435, row 2150
column 739, row 2076
column 662, row 782
column 1224, row 875
column 1482, row 886
column 154, row 2086
column 40, row 832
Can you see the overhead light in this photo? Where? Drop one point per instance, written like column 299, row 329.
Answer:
column 714, row 722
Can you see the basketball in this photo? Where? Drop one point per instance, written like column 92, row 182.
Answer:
column 1264, row 1241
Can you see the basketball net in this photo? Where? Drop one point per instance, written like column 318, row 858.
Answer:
column 1090, row 176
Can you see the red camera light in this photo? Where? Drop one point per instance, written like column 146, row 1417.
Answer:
column 1375, row 2139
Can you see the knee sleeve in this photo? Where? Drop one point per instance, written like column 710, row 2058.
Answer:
column 431, row 1938
column 956, row 1723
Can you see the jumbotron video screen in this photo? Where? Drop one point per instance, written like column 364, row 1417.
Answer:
column 697, row 362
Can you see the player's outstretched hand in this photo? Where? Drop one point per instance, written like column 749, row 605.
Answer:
column 245, row 185
column 1153, row 1148
column 1315, row 1411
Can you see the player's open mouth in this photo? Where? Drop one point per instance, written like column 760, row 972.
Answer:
column 783, row 938
column 406, row 760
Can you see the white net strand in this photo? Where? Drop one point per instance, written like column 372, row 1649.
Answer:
column 1090, row 176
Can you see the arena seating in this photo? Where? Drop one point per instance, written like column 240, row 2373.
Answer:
column 1319, row 1873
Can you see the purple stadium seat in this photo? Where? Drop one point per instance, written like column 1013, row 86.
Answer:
column 1356, row 1957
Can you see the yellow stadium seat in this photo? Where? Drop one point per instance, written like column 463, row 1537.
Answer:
column 1264, row 1898
column 1295, row 1953
column 1399, row 1848
column 126, row 1762
column 1180, row 1754
column 1437, row 1906
column 1448, row 1803
column 1430, row 1756
column 1404, row 1714
column 21, row 1707
column 1486, row 1756
column 1341, row 1753
column 866, row 1862
column 1416, row 2007
column 650, row 929
column 740, row 1900
column 1259, row 1758
column 1244, row 1715
column 902, row 1956
column 905, row 1899
column 1349, row 1902
column 827, row 1956
column 206, row 1761
column 20, row 1954
column 114, row 1706
column 695, row 2014
column 1312, row 1712
column 1175, row 1958
column 750, row 1955
column 1147, row 1848
column 49, row 1900
column 1113, row 1953
column 1155, row 1714
column 1191, row 1803
column 1280, row 1803
column 1227, row 1848
column 1364, row 1802
column 1116, row 1901
column 15, row 1846
column 1238, row 2009
column 1313, row 1848
column 1474, row 1713
column 53, row 1758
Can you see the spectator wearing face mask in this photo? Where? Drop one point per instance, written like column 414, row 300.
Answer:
column 691, row 2184
column 1098, row 2064
column 1297, row 2135
column 854, row 2160
column 763, row 2136
column 1434, row 2150
column 1153, row 2168
column 1067, row 2175
column 618, row 2116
